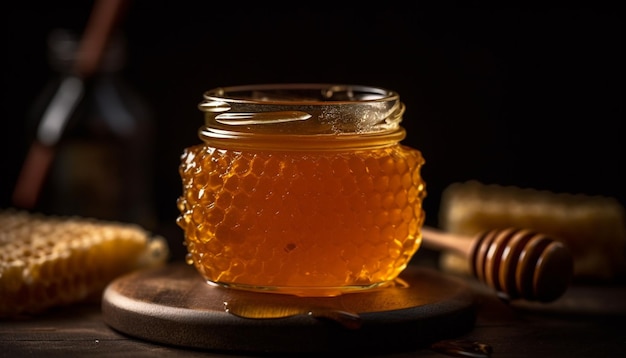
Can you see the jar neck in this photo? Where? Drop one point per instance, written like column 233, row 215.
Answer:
column 302, row 116
column 306, row 142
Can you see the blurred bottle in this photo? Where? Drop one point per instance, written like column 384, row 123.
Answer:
column 103, row 150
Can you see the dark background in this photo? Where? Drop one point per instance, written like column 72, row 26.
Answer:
column 509, row 96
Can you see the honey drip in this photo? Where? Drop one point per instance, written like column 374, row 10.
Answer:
column 254, row 306
column 462, row 348
column 350, row 320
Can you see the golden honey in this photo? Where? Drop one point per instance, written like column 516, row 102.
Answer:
column 302, row 189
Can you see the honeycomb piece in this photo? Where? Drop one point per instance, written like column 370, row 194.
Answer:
column 593, row 227
column 304, row 219
column 48, row 261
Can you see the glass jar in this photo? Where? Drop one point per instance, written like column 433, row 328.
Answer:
column 302, row 189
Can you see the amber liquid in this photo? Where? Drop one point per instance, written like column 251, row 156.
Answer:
column 309, row 223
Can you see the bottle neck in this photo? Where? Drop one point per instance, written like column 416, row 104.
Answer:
column 63, row 46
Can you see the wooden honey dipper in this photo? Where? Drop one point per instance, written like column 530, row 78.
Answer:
column 518, row 263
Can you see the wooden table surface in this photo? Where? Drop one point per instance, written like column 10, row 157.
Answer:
column 587, row 321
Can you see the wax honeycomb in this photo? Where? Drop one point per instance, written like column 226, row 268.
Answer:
column 593, row 227
column 48, row 261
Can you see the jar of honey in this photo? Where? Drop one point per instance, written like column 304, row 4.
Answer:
column 301, row 189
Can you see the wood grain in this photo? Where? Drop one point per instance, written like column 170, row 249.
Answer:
column 172, row 305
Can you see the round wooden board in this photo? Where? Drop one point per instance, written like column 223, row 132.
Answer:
column 173, row 305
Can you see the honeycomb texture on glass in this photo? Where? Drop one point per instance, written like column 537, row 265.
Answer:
column 48, row 261
column 299, row 220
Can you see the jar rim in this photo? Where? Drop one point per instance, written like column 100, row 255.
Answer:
column 303, row 110
column 298, row 93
